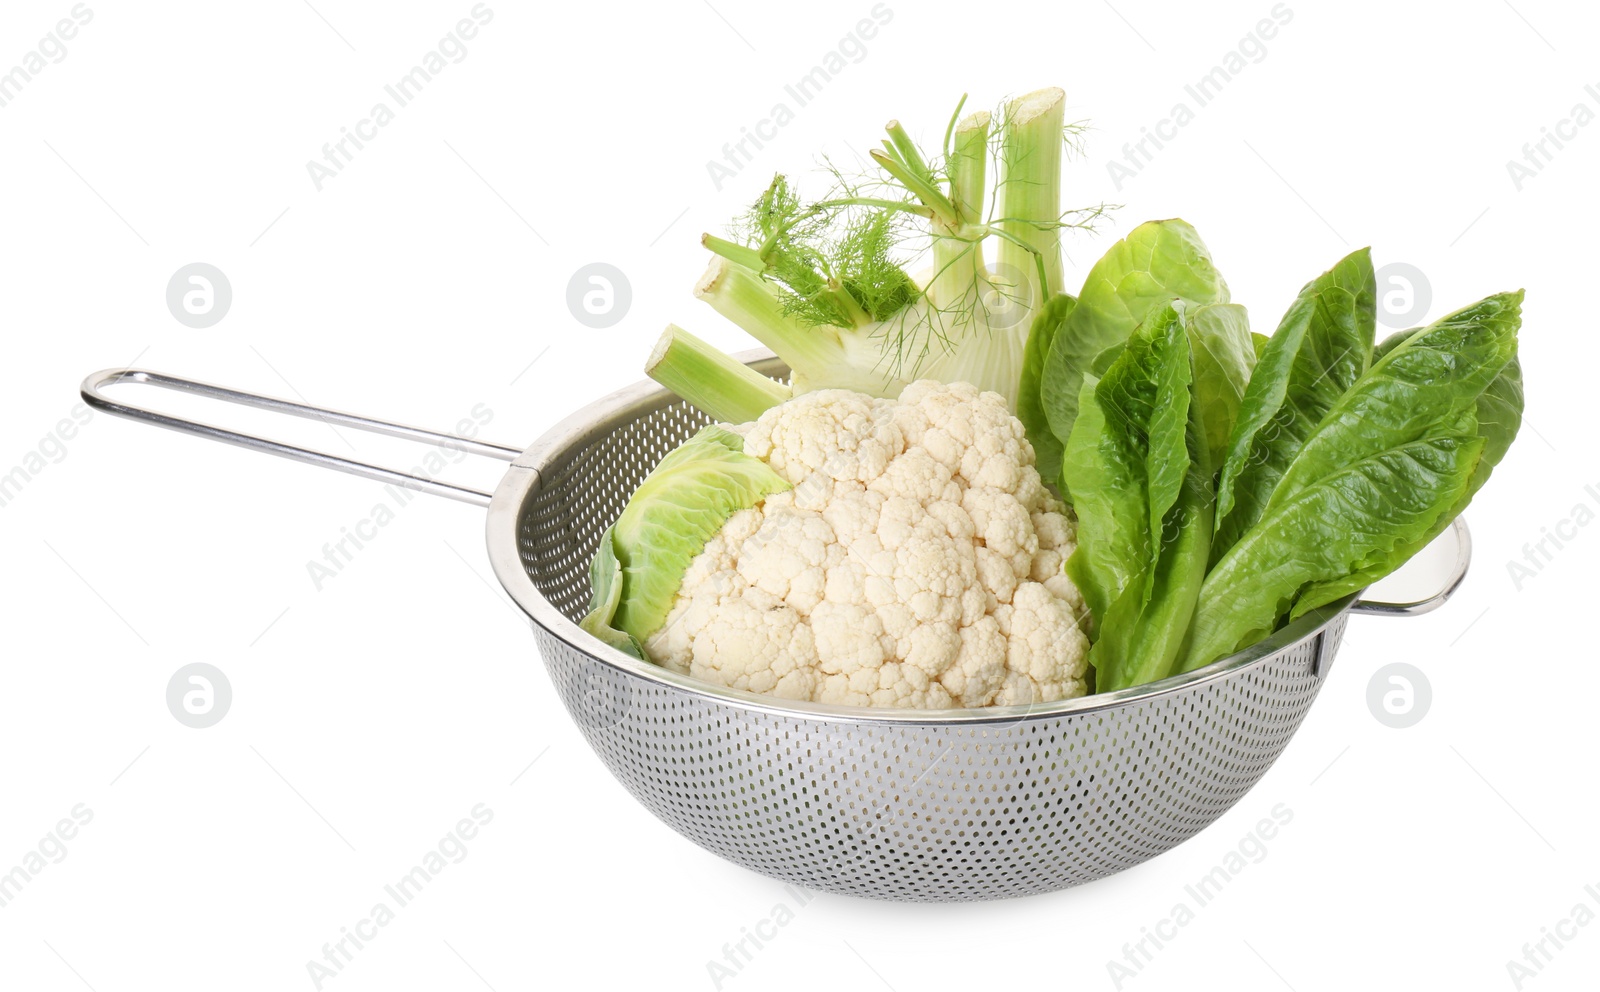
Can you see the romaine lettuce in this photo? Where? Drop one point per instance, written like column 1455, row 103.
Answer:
column 1386, row 469
column 1321, row 347
column 1142, row 451
column 1157, row 262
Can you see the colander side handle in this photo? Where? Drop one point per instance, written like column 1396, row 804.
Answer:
column 93, row 394
column 1457, row 573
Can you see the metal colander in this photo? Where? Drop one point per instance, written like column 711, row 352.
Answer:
column 908, row 805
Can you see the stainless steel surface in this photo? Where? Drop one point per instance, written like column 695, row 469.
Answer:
column 895, row 804
column 94, row 394
column 945, row 806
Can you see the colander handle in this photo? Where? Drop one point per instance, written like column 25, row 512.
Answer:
column 1457, row 573
column 93, row 395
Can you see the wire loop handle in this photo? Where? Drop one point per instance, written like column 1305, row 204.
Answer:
column 1458, row 572
column 93, row 394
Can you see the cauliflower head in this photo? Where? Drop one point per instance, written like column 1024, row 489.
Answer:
column 915, row 561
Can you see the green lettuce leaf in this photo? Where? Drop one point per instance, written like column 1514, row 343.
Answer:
column 1392, row 342
column 1499, row 419
column 1358, row 513
column 1425, row 380
column 1157, row 262
column 1113, row 523
column 1113, row 447
column 1389, row 466
column 1223, row 352
column 1322, row 346
column 674, row 512
column 1030, row 404
column 1139, row 451
column 1143, row 633
column 1499, row 416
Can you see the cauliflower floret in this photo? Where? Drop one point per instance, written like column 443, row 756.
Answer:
column 751, row 643
column 917, row 562
column 849, row 437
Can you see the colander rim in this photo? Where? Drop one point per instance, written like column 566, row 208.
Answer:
column 576, row 431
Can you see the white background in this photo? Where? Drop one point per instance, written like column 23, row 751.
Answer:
column 368, row 717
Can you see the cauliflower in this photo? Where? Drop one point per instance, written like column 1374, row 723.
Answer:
column 915, row 561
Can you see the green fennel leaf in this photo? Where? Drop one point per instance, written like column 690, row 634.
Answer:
column 834, row 261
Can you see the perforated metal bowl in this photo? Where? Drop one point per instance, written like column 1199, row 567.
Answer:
column 910, row 805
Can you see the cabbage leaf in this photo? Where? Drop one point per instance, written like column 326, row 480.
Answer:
column 680, row 506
